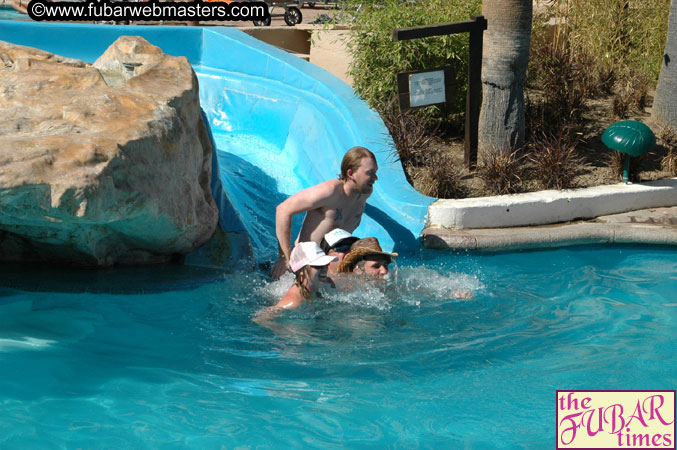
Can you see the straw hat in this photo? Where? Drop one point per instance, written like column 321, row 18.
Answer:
column 361, row 250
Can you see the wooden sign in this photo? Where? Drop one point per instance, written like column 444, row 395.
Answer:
column 475, row 28
column 426, row 87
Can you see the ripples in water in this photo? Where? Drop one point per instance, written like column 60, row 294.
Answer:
column 400, row 362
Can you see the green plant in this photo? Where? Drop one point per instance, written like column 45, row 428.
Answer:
column 617, row 33
column 555, row 161
column 555, row 67
column 376, row 58
column 502, row 171
column 562, row 78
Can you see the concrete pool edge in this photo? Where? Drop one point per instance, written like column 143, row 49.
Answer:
column 652, row 226
column 551, row 206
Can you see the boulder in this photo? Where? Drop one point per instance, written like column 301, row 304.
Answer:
column 105, row 163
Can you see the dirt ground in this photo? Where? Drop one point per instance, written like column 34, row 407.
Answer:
column 596, row 169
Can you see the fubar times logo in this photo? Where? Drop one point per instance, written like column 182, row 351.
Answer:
column 615, row 419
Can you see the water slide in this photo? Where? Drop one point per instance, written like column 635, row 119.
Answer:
column 279, row 124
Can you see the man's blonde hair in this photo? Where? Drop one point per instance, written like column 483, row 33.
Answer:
column 352, row 160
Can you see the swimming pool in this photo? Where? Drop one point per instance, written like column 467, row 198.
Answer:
column 169, row 358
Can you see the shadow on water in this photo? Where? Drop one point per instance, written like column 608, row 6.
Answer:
column 116, row 280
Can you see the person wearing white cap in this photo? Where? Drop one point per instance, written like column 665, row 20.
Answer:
column 328, row 205
column 309, row 264
column 337, row 243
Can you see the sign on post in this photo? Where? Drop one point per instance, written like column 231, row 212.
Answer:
column 426, row 87
column 475, row 28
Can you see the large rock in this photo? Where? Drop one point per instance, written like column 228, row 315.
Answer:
column 105, row 163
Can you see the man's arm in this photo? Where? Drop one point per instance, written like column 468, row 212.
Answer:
column 306, row 200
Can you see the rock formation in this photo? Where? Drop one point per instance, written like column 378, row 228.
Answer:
column 102, row 164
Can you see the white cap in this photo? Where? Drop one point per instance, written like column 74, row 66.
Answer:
column 337, row 235
column 308, row 254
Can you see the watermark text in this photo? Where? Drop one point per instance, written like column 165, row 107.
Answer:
column 105, row 10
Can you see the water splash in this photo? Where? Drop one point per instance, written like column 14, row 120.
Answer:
column 408, row 285
column 422, row 283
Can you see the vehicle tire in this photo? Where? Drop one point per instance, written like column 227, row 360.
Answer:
column 293, row 16
column 265, row 22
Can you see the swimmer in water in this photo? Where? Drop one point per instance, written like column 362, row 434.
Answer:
column 309, row 264
column 367, row 258
column 337, row 243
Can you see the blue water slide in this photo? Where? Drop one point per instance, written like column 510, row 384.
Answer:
column 279, row 124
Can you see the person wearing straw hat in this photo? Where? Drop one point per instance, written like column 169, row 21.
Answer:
column 337, row 243
column 309, row 264
column 328, row 205
column 366, row 258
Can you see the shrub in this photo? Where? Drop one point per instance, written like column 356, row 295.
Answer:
column 618, row 33
column 668, row 139
column 376, row 59
column 616, row 163
column 562, row 77
column 560, row 71
column 539, row 116
column 669, row 162
column 410, row 132
column 439, row 178
column 631, row 94
column 605, row 78
column 502, row 170
column 667, row 136
column 555, row 161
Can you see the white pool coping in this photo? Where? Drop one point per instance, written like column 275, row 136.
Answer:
column 548, row 207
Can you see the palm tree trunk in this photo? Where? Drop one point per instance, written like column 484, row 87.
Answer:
column 665, row 102
column 505, row 58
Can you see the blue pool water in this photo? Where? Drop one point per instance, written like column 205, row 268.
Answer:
column 9, row 13
column 169, row 358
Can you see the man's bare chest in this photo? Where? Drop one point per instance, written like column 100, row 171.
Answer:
column 345, row 216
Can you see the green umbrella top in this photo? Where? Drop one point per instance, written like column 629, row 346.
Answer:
column 630, row 137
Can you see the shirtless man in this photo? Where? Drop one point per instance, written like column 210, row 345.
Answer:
column 332, row 204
